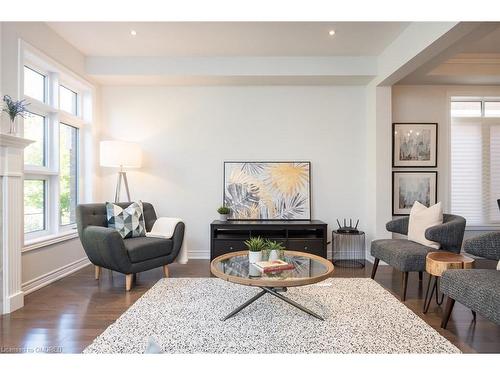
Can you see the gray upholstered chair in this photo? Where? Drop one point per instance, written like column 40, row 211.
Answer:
column 408, row 256
column 478, row 289
column 107, row 249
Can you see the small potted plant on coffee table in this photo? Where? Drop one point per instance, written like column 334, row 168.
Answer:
column 255, row 246
column 275, row 249
column 223, row 212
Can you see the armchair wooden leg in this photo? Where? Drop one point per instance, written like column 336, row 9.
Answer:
column 420, row 276
column 128, row 281
column 450, row 302
column 97, row 272
column 165, row 270
column 374, row 269
column 405, row 285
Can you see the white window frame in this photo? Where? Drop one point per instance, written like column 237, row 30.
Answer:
column 56, row 75
column 78, row 100
column 66, row 227
column 477, row 94
column 36, row 68
column 46, row 209
column 41, row 168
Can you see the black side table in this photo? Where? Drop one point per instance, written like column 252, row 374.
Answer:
column 348, row 249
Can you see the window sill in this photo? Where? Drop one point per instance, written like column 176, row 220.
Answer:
column 44, row 241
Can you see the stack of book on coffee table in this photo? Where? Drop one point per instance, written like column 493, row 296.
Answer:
column 271, row 266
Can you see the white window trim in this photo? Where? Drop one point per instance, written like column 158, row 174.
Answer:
column 31, row 168
column 78, row 100
column 41, row 233
column 57, row 74
column 486, row 93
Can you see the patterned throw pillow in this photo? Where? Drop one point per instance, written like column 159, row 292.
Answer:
column 129, row 222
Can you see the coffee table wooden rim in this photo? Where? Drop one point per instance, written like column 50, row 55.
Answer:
column 267, row 282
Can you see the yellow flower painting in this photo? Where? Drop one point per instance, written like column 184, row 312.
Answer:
column 268, row 190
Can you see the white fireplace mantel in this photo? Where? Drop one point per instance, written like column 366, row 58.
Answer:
column 11, row 220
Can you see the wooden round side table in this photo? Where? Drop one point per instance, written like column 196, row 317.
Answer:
column 435, row 265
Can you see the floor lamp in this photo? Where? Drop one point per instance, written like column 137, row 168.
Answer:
column 123, row 155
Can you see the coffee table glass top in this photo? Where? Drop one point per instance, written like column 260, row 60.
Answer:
column 309, row 269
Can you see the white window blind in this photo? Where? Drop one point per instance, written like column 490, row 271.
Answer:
column 475, row 169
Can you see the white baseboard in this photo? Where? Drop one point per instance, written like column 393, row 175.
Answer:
column 199, row 254
column 48, row 278
column 13, row 302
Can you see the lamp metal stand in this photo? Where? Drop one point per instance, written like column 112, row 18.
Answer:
column 122, row 176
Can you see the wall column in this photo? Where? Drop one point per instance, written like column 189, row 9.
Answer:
column 11, row 220
column 379, row 163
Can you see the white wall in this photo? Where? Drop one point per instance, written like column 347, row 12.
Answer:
column 429, row 103
column 426, row 104
column 187, row 133
column 42, row 264
column 1, row 213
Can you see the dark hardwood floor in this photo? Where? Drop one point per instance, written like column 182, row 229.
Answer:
column 68, row 314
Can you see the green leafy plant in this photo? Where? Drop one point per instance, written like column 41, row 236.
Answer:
column 255, row 244
column 14, row 109
column 223, row 210
column 274, row 245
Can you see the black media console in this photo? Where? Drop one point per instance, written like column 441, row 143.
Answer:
column 306, row 236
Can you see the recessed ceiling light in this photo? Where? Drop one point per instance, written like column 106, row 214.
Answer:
column 331, row 32
column 133, row 32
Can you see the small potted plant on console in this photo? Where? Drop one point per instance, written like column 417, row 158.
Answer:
column 255, row 246
column 223, row 212
column 275, row 249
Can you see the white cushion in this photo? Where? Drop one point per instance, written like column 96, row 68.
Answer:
column 422, row 218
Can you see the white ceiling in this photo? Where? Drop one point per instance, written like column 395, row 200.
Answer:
column 488, row 44
column 473, row 60
column 229, row 38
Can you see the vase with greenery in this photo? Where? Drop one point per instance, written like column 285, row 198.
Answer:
column 275, row 250
column 255, row 246
column 14, row 109
column 223, row 212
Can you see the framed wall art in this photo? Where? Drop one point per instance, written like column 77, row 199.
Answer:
column 408, row 187
column 268, row 190
column 414, row 145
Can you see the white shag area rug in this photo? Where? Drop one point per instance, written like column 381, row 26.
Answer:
column 183, row 316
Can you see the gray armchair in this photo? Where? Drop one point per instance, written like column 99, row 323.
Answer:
column 107, row 249
column 478, row 289
column 408, row 256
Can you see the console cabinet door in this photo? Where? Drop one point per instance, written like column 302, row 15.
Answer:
column 307, row 246
column 222, row 247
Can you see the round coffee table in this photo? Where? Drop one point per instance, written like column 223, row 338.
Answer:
column 436, row 263
column 309, row 269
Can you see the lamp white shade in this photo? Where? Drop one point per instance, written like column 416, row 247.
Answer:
column 120, row 154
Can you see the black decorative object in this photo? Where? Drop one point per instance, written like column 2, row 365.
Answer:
column 347, row 228
column 348, row 247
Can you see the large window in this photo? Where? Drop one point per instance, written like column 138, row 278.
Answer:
column 35, row 128
column 35, row 84
column 475, row 160
column 34, row 206
column 68, row 173
column 68, row 100
column 52, row 163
